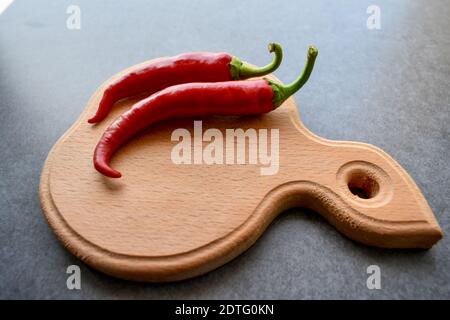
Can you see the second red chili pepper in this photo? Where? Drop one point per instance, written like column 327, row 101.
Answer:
column 187, row 67
column 196, row 99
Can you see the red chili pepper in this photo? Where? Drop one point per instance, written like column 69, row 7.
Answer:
column 184, row 68
column 196, row 99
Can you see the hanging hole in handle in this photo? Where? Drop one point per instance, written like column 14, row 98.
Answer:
column 362, row 185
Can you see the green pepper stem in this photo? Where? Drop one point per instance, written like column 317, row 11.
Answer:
column 241, row 70
column 283, row 92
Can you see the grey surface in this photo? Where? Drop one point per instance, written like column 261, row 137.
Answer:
column 388, row 87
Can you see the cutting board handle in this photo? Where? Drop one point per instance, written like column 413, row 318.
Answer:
column 369, row 197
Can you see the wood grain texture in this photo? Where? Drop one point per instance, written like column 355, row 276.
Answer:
column 166, row 222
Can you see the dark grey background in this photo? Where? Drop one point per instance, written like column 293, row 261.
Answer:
column 388, row 87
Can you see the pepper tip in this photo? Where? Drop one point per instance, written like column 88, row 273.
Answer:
column 93, row 120
column 115, row 175
column 106, row 170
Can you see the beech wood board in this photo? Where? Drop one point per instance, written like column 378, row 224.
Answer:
column 166, row 222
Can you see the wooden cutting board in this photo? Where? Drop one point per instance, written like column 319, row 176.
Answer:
column 164, row 221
